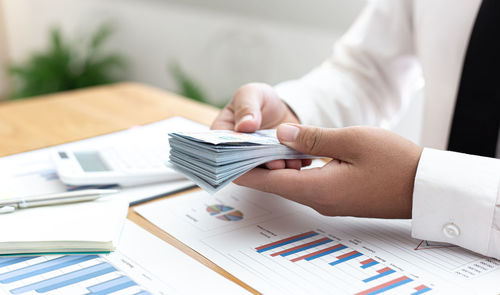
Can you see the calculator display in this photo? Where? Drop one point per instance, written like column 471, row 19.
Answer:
column 91, row 162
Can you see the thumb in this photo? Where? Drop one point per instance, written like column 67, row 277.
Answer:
column 247, row 110
column 316, row 141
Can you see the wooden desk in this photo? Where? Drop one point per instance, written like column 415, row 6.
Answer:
column 55, row 119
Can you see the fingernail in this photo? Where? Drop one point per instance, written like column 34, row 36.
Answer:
column 248, row 117
column 287, row 132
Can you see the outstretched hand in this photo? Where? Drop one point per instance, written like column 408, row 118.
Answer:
column 371, row 174
column 257, row 106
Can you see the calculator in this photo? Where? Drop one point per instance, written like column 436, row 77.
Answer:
column 114, row 165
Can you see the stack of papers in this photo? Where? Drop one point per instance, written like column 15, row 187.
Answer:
column 87, row 227
column 212, row 159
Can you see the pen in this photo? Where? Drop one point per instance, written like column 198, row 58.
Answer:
column 11, row 205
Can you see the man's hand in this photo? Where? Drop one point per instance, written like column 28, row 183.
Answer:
column 257, row 106
column 371, row 174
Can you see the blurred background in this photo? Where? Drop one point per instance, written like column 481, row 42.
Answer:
column 197, row 48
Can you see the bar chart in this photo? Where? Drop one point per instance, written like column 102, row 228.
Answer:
column 293, row 250
column 68, row 274
column 329, row 253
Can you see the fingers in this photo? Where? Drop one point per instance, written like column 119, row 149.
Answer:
column 293, row 164
column 282, row 164
column 296, row 185
column 224, row 121
column 246, row 106
column 326, row 142
column 276, row 164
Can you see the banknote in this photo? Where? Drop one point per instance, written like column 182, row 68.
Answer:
column 212, row 159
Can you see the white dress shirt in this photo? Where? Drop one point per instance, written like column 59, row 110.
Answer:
column 367, row 81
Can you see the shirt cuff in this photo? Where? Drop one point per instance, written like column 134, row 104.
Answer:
column 294, row 96
column 454, row 199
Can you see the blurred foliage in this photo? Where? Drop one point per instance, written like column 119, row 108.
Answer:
column 187, row 86
column 64, row 66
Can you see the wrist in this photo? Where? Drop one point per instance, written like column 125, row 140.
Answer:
column 290, row 116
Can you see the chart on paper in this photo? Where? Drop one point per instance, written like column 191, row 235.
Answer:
column 76, row 274
column 290, row 249
column 353, row 267
column 351, row 256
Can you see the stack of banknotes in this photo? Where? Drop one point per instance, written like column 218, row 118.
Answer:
column 212, row 159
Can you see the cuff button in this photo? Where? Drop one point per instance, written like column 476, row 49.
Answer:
column 451, row 230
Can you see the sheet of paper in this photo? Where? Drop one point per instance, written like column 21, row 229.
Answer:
column 142, row 265
column 33, row 173
column 280, row 247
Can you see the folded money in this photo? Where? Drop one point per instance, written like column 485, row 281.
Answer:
column 212, row 159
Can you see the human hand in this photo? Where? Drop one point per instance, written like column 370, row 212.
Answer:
column 371, row 174
column 257, row 106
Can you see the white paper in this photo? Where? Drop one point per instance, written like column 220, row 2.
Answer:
column 230, row 226
column 33, row 173
column 171, row 265
column 148, row 264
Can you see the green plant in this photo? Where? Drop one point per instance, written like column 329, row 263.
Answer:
column 64, row 66
column 187, row 86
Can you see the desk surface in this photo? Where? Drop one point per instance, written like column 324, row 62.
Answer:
column 55, row 119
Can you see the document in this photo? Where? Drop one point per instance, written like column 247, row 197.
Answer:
column 142, row 265
column 33, row 173
column 280, row 247
column 212, row 159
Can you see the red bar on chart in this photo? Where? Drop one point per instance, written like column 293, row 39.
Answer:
column 346, row 257
column 420, row 287
column 367, row 261
column 301, row 246
column 319, row 252
column 383, row 270
column 421, row 290
column 347, row 254
column 386, row 286
column 285, row 241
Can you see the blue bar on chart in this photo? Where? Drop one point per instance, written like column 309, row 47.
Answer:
column 7, row 261
column 67, row 279
column 368, row 263
column 386, row 286
column 346, row 257
column 320, row 253
column 48, row 281
column 43, row 267
column 302, row 247
column 111, row 286
column 286, row 241
column 381, row 273
column 421, row 290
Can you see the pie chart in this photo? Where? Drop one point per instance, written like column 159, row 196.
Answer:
column 224, row 212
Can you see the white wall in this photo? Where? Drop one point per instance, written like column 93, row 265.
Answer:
column 221, row 43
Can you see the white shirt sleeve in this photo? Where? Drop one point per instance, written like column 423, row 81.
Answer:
column 456, row 199
column 366, row 77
